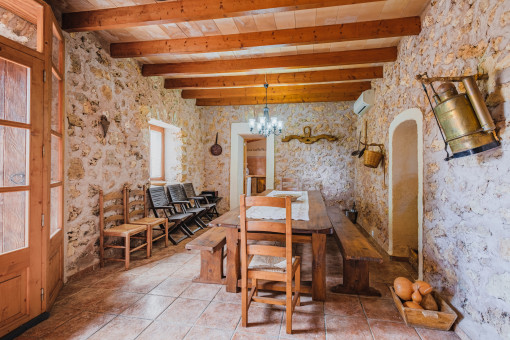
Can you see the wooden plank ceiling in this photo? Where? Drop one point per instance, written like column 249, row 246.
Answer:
column 221, row 52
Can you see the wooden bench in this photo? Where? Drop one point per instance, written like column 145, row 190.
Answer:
column 211, row 245
column 357, row 252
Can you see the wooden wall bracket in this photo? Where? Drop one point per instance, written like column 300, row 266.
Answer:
column 307, row 137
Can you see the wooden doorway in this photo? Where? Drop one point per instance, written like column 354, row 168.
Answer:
column 21, row 187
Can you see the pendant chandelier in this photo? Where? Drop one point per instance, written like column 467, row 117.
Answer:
column 266, row 126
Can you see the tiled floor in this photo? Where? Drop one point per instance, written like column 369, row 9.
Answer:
column 156, row 299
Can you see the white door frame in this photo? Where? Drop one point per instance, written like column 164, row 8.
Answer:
column 237, row 158
column 416, row 115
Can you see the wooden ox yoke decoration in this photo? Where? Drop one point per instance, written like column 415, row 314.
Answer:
column 307, row 138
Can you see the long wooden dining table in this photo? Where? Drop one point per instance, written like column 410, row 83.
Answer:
column 313, row 231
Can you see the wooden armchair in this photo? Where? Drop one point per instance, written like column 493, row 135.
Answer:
column 160, row 203
column 178, row 196
column 255, row 258
column 202, row 200
column 137, row 212
column 112, row 225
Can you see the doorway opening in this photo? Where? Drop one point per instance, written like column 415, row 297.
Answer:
column 239, row 133
column 406, row 189
column 254, row 164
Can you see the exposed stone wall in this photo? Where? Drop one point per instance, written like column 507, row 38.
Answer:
column 15, row 28
column 466, row 201
column 98, row 85
column 325, row 166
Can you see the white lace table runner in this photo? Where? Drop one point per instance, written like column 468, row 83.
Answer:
column 299, row 208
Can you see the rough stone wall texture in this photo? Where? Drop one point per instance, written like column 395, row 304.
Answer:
column 466, row 201
column 325, row 166
column 98, row 85
column 15, row 28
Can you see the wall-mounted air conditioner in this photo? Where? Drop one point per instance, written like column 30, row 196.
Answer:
column 364, row 102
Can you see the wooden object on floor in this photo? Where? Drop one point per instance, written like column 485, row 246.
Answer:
column 161, row 204
column 137, row 212
column 357, row 252
column 112, row 204
column 442, row 319
column 255, row 267
column 314, row 230
column 211, row 245
column 290, row 184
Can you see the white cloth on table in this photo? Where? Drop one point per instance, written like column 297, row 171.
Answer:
column 299, row 208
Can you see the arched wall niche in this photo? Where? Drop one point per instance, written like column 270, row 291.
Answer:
column 405, row 195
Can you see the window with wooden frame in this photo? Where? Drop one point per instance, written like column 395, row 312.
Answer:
column 157, row 153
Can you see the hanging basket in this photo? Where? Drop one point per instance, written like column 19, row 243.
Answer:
column 372, row 158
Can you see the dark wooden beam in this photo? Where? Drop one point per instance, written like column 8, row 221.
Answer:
column 185, row 10
column 341, row 88
column 276, row 78
column 306, row 98
column 375, row 55
column 287, row 37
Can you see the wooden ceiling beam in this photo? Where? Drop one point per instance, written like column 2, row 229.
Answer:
column 342, row 88
column 276, row 78
column 375, row 55
column 287, row 37
column 306, row 98
column 185, row 10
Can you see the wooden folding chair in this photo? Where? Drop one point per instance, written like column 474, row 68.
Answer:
column 254, row 258
column 112, row 204
column 202, row 200
column 178, row 195
column 137, row 212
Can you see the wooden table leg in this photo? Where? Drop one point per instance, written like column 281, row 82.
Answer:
column 232, row 259
column 319, row 267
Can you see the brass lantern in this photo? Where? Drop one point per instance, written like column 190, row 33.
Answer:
column 465, row 122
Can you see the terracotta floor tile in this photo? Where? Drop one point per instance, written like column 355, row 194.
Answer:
column 432, row 334
column 202, row 333
column 58, row 316
column 201, row 291
column 381, row 309
column 115, row 302
column 143, row 283
column 310, row 306
column 80, row 327
column 171, row 287
column 263, row 321
column 304, row 326
column 347, row 328
column 121, row 328
column 149, row 307
column 85, row 299
column 184, row 311
column 68, row 290
column 224, row 296
column 164, row 330
column 179, row 258
column 343, row 305
column 384, row 330
column 220, row 315
column 241, row 335
column 115, row 280
column 164, row 269
column 186, row 272
column 141, row 269
column 383, row 288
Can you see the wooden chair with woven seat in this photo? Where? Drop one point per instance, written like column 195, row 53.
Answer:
column 254, row 263
column 137, row 212
column 112, row 212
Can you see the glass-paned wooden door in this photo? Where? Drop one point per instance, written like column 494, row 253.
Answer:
column 21, row 187
column 54, row 270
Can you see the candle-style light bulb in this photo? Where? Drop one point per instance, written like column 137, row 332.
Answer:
column 274, row 121
column 251, row 121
